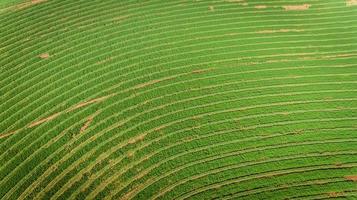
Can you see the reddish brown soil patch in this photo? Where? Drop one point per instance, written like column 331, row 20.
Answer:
column 43, row 120
column 351, row 3
column 297, row 7
column 44, row 55
column 279, row 31
column 338, row 164
column 88, row 122
column 351, row 178
column 335, row 194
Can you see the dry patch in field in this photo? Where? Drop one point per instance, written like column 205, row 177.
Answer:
column 199, row 71
column 196, row 117
column 280, row 31
column 260, row 6
column 329, row 57
column 80, row 105
column 338, row 164
column 160, row 128
column 351, row 178
column 335, row 194
column 44, row 55
column 153, row 82
column 244, row 4
column 340, row 55
column 53, row 116
column 130, row 154
column 44, row 120
column 8, row 134
column 147, row 84
column 297, row 7
column 120, row 18
column 28, row 4
column 88, row 122
column 351, row 3
column 104, row 61
column 210, row 8
column 137, row 139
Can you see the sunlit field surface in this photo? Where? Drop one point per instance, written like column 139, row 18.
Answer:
column 178, row 99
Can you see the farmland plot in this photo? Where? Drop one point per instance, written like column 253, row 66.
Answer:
column 189, row 99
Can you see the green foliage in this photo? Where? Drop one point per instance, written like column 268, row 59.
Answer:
column 178, row 99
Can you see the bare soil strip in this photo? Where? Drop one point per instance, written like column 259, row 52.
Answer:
column 137, row 139
column 53, row 116
column 28, row 4
column 88, row 122
column 104, row 61
column 9, row 133
column 44, row 55
column 80, row 105
column 335, row 194
column 120, row 18
column 351, row 178
column 199, row 71
column 351, row 3
column 260, row 7
column 151, row 83
column 280, row 31
column 36, row 123
column 297, row 7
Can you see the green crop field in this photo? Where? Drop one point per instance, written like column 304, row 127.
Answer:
column 178, row 99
